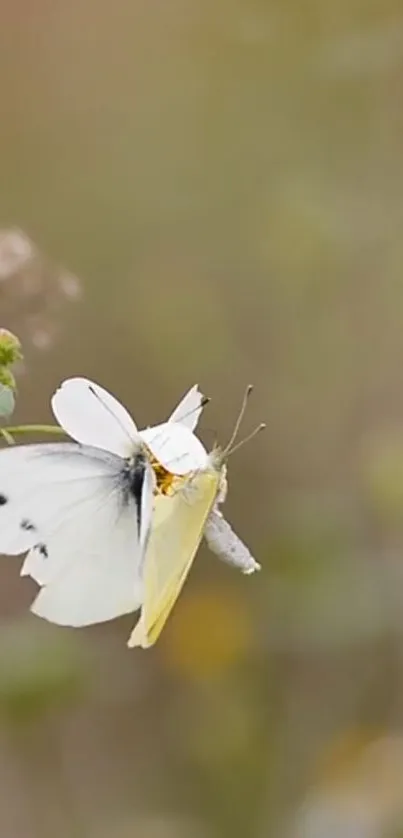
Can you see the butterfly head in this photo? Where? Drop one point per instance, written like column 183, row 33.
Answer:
column 219, row 456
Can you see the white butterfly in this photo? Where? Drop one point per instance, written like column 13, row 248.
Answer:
column 84, row 510
column 179, row 522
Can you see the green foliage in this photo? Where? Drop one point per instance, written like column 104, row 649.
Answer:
column 10, row 348
column 7, row 401
column 10, row 352
column 38, row 672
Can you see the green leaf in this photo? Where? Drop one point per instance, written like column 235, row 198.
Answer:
column 7, row 401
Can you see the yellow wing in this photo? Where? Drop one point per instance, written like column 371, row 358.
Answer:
column 177, row 530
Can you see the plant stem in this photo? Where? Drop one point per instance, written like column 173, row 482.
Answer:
column 7, row 436
column 32, row 429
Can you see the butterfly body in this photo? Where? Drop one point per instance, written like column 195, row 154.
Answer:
column 132, row 480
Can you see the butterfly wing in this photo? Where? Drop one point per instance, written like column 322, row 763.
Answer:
column 189, row 408
column 39, row 483
column 36, row 564
column 222, row 540
column 97, row 559
column 68, row 501
column 173, row 443
column 176, row 533
column 176, row 447
column 92, row 416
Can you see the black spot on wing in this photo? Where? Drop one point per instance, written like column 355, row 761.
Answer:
column 27, row 525
column 3, row 500
column 43, row 550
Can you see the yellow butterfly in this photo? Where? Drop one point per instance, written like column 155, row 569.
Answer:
column 179, row 522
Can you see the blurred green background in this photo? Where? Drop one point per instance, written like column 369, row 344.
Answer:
column 212, row 192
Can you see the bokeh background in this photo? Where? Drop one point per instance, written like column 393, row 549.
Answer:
column 198, row 191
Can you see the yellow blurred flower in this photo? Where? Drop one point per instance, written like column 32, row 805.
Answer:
column 208, row 634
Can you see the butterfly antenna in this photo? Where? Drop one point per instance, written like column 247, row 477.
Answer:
column 239, row 420
column 248, row 438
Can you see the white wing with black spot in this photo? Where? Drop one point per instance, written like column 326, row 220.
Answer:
column 41, row 484
column 72, row 506
column 95, row 577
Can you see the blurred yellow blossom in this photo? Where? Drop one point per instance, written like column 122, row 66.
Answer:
column 209, row 633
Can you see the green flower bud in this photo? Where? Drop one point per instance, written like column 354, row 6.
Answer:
column 10, row 348
column 7, row 378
